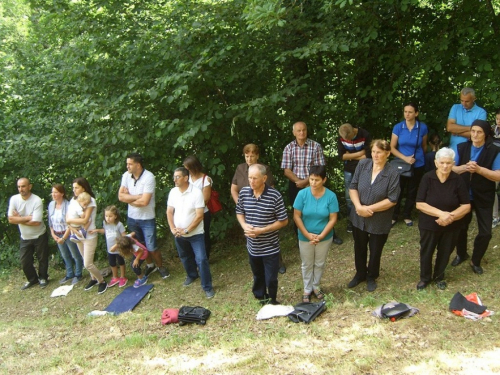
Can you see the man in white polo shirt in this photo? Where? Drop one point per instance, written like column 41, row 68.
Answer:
column 185, row 208
column 26, row 211
column 138, row 190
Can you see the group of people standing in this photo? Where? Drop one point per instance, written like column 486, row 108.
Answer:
column 463, row 179
column 137, row 189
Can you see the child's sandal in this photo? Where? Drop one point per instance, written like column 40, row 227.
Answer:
column 306, row 298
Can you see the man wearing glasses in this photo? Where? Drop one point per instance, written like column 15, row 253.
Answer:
column 185, row 206
column 138, row 191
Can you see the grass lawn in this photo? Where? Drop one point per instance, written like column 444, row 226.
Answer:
column 43, row 335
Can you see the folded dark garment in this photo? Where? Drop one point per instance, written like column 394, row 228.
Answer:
column 459, row 302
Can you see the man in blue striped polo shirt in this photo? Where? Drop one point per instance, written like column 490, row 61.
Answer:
column 261, row 213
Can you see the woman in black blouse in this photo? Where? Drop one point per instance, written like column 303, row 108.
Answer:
column 443, row 200
column 374, row 192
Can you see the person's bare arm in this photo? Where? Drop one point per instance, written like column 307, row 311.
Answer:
column 394, row 150
column 358, row 155
column 473, row 167
column 142, row 200
column 293, row 177
column 15, row 218
column 457, row 129
column 234, row 193
column 81, row 220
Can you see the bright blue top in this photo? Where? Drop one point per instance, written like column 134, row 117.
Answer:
column 316, row 212
column 464, row 117
column 407, row 140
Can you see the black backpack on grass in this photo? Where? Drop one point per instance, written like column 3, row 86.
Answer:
column 196, row 314
column 307, row 311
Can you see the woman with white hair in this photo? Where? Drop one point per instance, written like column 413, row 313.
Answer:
column 442, row 200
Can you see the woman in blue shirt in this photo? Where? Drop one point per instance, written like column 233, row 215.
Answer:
column 409, row 143
column 315, row 214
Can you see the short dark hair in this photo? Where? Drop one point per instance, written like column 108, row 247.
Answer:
column 183, row 170
column 412, row 104
column 137, row 158
column 318, row 170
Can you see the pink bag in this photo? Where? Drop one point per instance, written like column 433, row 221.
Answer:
column 170, row 316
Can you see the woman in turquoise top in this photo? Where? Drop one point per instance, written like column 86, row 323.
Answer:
column 315, row 214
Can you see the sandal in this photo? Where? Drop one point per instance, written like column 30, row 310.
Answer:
column 319, row 294
column 306, row 298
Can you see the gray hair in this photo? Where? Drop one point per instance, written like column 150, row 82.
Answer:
column 445, row 152
column 468, row 90
column 259, row 167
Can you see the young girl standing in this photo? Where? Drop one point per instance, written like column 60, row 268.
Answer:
column 113, row 229
column 129, row 247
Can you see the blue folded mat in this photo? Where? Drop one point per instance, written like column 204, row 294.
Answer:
column 128, row 299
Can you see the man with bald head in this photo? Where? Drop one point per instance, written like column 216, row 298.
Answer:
column 26, row 211
column 462, row 116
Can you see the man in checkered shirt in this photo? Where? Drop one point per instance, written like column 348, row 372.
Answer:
column 298, row 156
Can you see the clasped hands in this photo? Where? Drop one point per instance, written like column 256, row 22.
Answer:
column 251, row 231
column 472, row 167
column 446, row 218
column 313, row 238
column 178, row 232
column 364, row 211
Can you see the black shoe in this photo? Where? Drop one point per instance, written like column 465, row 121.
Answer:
column 282, row 269
column 163, row 272
column 441, row 285
column 355, row 281
column 274, row 302
column 459, row 259
column 477, row 269
column 337, row 241
column 29, row 284
column 102, row 287
column 371, row 285
column 421, row 285
column 43, row 283
column 150, row 270
column 90, row 285
column 349, row 227
column 189, row 281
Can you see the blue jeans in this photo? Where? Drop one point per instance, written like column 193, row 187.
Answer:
column 145, row 231
column 71, row 255
column 194, row 257
column 347, row 183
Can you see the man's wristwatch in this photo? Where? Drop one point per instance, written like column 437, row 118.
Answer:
column 186, row 231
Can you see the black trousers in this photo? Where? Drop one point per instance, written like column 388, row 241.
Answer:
column 27, row 250
column 484, row 216
column 265, row 275
column 376, row 243
column 408, row 185
column 445, row 243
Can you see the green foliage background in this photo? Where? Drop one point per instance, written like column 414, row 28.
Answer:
column 83, row 83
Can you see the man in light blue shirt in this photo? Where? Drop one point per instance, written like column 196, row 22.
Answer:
column 461, row 117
